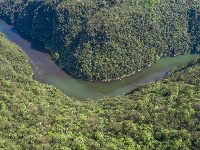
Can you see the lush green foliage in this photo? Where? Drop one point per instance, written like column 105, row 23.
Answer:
column 107, row 39
column 164, row 115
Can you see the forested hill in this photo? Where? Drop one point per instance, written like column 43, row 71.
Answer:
column 107, row 39
column 163, row 115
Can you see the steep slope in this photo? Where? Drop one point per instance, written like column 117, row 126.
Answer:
column 161, row 115
column 108, row 39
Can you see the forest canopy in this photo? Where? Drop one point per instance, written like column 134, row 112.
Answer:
column 102, row 40
column 108, row 39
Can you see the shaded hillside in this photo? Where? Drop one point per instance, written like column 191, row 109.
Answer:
column 161, row 115
column 108, row 39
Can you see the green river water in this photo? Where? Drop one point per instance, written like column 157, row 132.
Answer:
column 46, row 71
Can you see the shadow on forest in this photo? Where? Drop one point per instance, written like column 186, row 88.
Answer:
column 34, row 43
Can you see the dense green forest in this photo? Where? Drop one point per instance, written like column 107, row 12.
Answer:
column 162, row 115
column 108, row 39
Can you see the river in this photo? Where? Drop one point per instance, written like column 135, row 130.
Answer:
column 46, row 71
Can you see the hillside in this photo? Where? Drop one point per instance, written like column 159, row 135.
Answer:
column 108, row 39
column 161, row 115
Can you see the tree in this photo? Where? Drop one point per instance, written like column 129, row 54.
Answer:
column 56, row 56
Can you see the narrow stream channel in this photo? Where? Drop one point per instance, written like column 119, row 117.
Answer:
column 46, row 71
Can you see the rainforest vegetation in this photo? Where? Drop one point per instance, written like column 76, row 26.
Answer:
column 108, row 39
column 101, row 40
column 162, row 115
